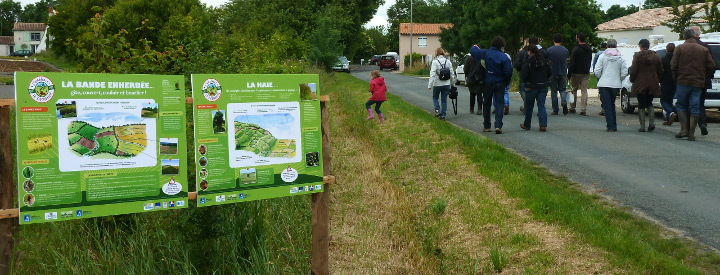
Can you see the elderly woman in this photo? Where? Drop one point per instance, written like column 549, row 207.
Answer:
column 645, row 74
column 610, row 70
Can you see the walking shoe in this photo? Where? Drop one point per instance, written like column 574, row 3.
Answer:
column 667, row 123
column 553, row 113
column 543, row 128
column 673, row 118
column 703, row 130
column 498, row 131
column 437, row 113
column 523, row 127
column 601, row 113
column 506, row 110
column 441, row 117
column 472, row 110
column 479, row 112
column 522, row 109
column 582, row 113
column 612, row 130
column 486, row 129
column 565, row 109
column 572, row 111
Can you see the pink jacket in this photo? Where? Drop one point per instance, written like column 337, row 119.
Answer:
column 378, row 89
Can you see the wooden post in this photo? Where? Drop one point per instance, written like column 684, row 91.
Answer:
column 7, row 192
column 320, row 212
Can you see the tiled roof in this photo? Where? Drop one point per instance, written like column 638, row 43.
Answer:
column 422, row 28
column 29, row 27
column 6, row 40
column 642, row 19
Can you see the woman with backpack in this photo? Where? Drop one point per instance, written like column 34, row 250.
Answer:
column 536, row 74
column 441, row 79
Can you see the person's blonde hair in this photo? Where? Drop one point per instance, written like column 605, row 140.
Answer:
column 439, row 52
column 375, row 73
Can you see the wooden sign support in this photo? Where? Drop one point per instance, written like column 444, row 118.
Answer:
column 9, row 213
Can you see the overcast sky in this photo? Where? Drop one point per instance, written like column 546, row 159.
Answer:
column 380, row 18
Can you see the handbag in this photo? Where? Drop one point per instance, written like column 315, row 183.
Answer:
column 453, row 94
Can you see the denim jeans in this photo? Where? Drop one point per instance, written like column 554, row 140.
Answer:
column 558, row 83
column 377, row 105
column 521, row 86
column 702, row 120
column 667, row 94
column 493, row 94
column 531, row 96
column 607, row 99
column 507, row 95
column 688, row 99
column 442, row 93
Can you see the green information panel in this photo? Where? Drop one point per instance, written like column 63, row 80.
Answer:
column 91, row 145
column 256, row 137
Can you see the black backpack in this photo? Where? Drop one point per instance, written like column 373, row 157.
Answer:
column 477, row 73
column 444, row 72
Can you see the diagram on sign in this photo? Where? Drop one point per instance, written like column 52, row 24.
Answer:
column 107, row 134
column 264, row 133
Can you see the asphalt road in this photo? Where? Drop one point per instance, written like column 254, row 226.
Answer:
column 672, row 182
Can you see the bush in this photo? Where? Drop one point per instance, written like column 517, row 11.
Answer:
column 416, row 57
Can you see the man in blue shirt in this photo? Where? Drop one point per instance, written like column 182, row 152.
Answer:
column 499, row 72
column 558, row 55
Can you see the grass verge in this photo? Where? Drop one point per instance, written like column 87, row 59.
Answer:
column 496, row 202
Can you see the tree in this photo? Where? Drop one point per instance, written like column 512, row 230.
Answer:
column 683, row 12
column 66, row 24
column 37, row 12
column 617, row 11
column 712, row 16
column 9, row 14
column 480, row 21
column 325, row 44
column 651, row 4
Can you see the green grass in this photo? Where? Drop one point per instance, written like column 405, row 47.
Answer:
column 550, row 198
column 59, row 62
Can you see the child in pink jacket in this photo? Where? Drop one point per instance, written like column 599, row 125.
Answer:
column 377, row 89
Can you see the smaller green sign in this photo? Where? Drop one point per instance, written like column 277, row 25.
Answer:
column 256, row 136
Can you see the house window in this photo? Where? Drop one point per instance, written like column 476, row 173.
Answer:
column 34, row 36
column 422, row 42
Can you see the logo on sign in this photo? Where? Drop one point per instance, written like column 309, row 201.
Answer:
column 211, row 89
column 26, row 218
column 41, row 89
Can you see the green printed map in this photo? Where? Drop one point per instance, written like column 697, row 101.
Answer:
column 122, row 141
column 253, row 138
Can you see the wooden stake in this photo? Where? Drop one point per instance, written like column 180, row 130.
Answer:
column 8, row 227
column 320, row 212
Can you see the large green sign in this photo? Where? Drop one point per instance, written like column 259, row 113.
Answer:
column 256, row 137
column 91, row 145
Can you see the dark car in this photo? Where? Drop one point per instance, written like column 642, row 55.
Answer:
column 388, row 62
column 22, row 53
column 375, row 59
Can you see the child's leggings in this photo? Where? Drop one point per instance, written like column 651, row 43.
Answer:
column 377, row 105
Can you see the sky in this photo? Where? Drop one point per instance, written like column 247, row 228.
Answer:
column 380, row 18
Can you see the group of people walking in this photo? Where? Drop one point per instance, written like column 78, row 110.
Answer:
column 684, row 73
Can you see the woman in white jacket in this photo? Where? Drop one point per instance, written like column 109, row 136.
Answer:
column 610, row 70
column 440, row 88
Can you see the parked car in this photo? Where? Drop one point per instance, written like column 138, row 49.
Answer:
column 628, row 102
column 388, row 62
column 460, row 72
column 342, row 64
column 375, row 59
column 397, row 58
column 21, row 53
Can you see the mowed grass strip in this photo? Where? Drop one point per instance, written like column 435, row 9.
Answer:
column 421, row 196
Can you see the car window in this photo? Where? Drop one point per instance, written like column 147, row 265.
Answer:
column 715, row 52
column 661, row 53
column 387, row 57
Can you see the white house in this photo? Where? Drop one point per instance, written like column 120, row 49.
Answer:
column 29, row 36
column 631, row 28
column 6, row 45
column 425, row 39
